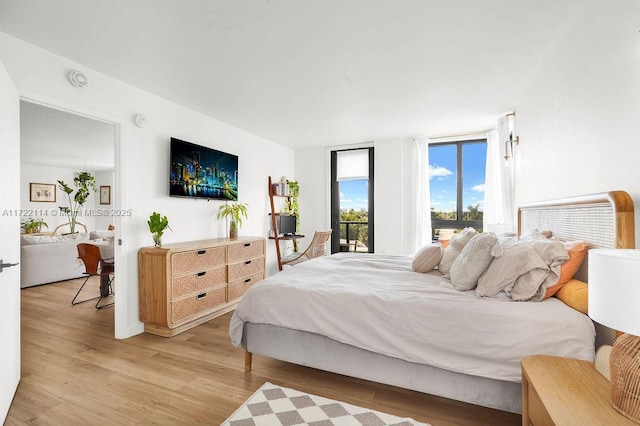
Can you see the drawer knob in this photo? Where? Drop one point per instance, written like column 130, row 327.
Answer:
column 201, row 252
column 247, row 280
column 248, row 262
column 201, row 274
column 247, row 244
column 201, row 296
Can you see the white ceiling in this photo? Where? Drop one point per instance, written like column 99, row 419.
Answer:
column 312, row 72
column 50, row 137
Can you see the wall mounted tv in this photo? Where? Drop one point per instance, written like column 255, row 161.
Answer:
column 201, row 172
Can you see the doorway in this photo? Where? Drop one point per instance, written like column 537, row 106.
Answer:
column 55, row 145
column 352, row 215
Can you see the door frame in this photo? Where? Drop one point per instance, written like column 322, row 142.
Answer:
column 118, row 197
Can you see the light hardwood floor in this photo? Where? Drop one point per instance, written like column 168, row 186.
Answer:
column 75, row 372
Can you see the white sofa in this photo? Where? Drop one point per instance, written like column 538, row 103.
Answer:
column 46, row 259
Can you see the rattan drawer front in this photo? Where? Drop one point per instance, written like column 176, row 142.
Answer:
column 246, row 268
column 198, row 281
column 246, row 250
column 196, row 304
column 197, row 260
column 238, row 288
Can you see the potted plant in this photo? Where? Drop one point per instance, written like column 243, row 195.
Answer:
column 33, row 225
column 157, row 225
column 233, row 212
column 294, row 207
column 86, row 183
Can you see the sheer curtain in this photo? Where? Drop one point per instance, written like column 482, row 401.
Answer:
column 422, row 196
column 499, row 211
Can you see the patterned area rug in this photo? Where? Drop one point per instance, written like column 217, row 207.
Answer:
column 273, row 405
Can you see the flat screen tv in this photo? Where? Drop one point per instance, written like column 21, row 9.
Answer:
column 201, row 172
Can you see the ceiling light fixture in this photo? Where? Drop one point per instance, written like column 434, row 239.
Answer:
column 78, row 79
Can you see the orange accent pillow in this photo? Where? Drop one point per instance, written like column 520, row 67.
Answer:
column 575, row 294
column 577, row 250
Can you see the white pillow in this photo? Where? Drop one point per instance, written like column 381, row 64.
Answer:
column 27, row 240
column 473, row 260
column 99, row 235
column 456, row 244
column 427, row 258
column 78, row 236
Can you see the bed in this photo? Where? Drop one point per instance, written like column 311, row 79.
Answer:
column 383, row 332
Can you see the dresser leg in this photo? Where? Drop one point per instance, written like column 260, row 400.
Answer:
column 247, row 361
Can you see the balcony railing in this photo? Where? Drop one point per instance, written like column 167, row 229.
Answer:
column 350, row 236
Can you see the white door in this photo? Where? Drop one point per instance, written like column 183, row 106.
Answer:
column 9, row 241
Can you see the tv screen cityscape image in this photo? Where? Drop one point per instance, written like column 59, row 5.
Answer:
column 201, row 172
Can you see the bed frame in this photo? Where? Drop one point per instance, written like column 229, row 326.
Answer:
column 605, row 220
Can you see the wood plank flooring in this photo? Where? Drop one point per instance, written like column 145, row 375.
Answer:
column 75, row 373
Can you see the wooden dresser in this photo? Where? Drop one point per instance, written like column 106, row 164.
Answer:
column 185, row 284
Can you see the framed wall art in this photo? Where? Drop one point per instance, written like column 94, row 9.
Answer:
column 42, row 192
column 105, row 195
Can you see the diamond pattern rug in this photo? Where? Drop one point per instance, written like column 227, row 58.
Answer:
column 273, row 405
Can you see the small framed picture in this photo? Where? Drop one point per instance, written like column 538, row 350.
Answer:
column 42, row 192
column 105, row 195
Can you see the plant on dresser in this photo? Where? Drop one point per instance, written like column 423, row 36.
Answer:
column 183, row 285
column 234, row 212
column 157, row 225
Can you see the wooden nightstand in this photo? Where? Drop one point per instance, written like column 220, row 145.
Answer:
column 565, row 391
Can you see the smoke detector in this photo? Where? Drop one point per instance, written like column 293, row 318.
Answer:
column 78, row 79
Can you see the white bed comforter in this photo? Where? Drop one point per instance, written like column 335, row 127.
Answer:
column 375, row 302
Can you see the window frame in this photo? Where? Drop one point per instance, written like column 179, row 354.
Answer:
column 457, row 224
column 335, row 199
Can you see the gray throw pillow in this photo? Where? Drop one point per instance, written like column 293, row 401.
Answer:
column 456, row 244
column 473, row 260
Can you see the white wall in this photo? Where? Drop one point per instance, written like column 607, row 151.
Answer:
column 103, row 178
column 142, row 159
column 579, row 122
column 312, row 168
column 50, row 212
column 388, row 197
column 393, row 192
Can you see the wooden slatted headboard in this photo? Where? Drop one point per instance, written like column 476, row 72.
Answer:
column 604, row 220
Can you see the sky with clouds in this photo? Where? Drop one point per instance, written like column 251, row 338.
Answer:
column 442, row 179
column 353, row 194
column 443, row 171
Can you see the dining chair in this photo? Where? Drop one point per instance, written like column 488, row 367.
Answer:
column 95, row 266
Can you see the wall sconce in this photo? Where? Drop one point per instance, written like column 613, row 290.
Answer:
column 508, row 144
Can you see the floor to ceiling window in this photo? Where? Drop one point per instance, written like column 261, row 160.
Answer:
column 457, row 182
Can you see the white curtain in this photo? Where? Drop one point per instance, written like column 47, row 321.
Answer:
column 423, row 196
column 499, row 212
